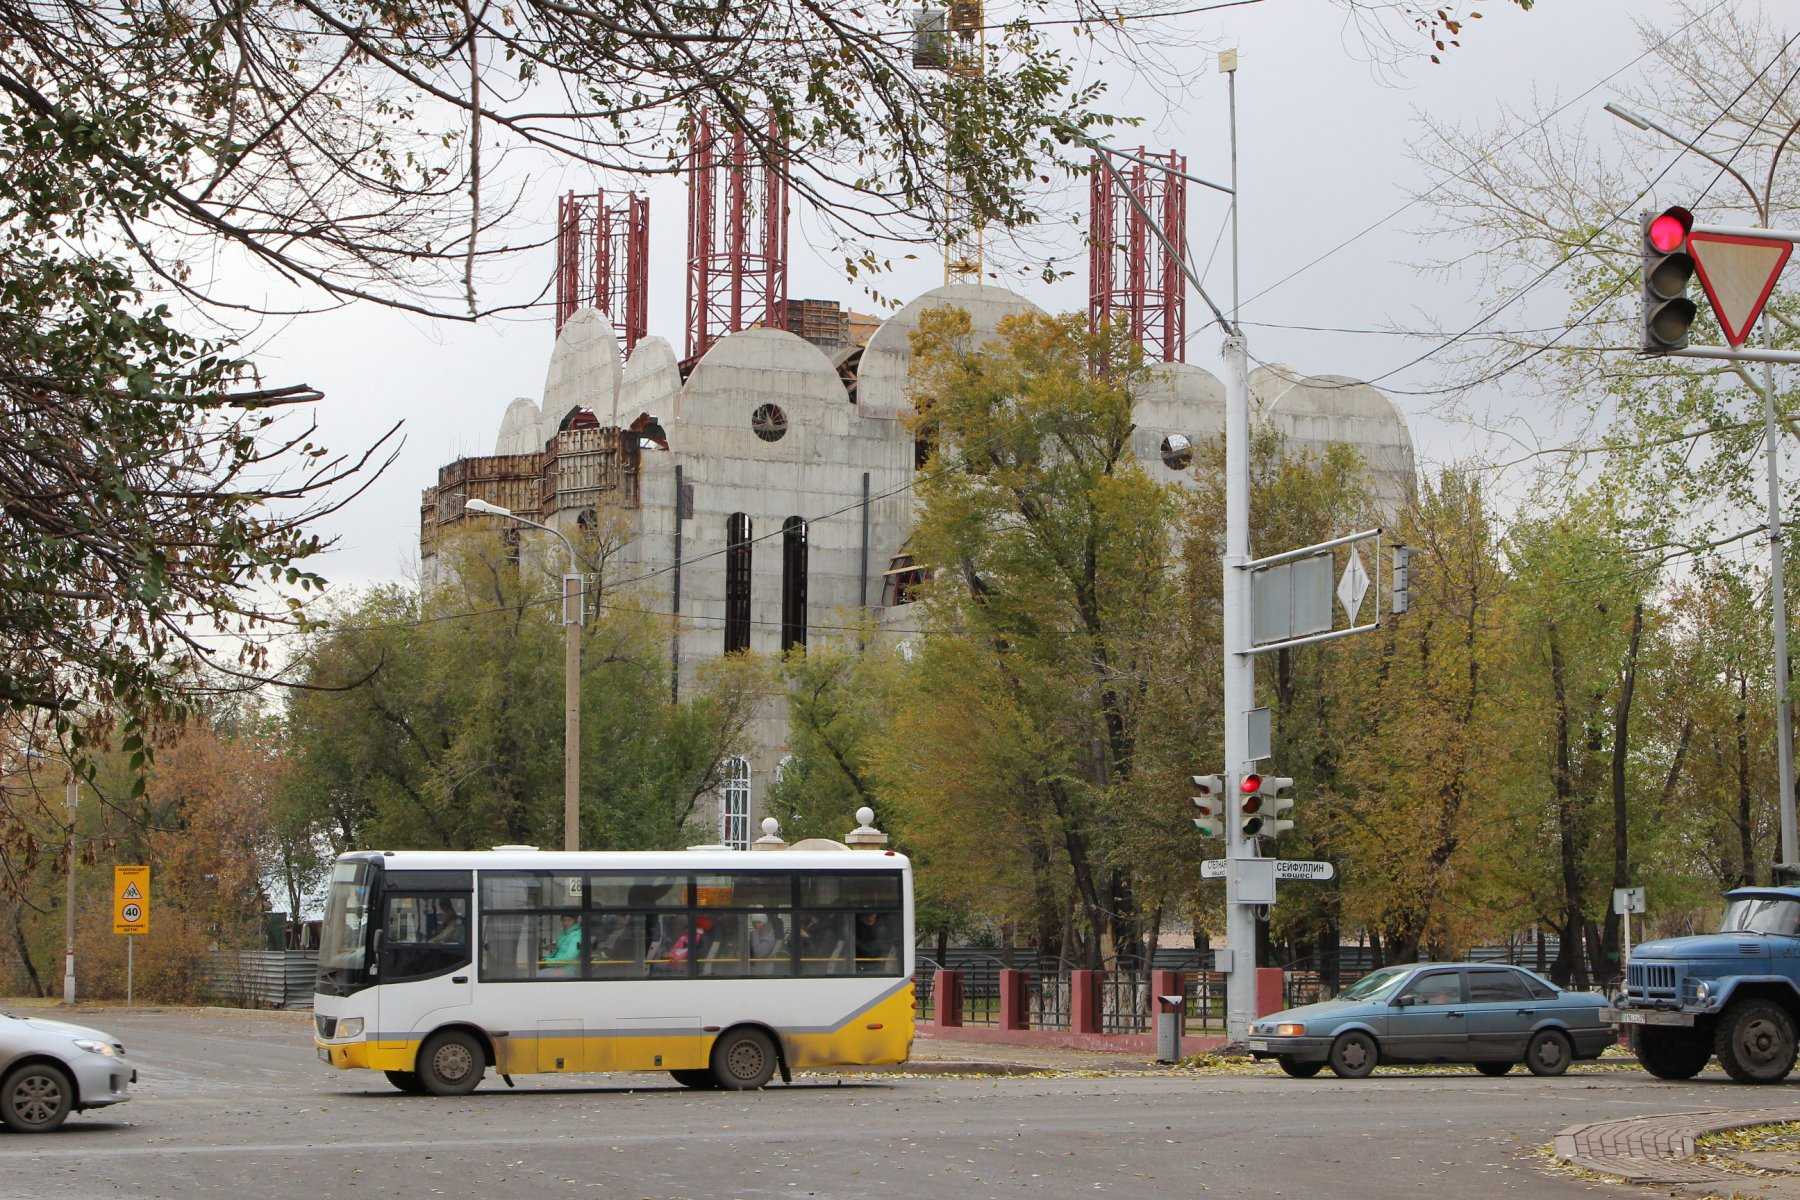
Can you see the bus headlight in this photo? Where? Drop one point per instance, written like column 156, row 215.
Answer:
column 350, row 1028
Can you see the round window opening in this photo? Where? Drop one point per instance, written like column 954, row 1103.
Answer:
column 769, row 422
column 1177, row 452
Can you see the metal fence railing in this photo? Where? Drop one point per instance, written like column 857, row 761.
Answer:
column 1047, row 1002
column 1124, row 1002
column 1205, row 995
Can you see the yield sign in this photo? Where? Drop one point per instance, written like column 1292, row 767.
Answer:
column 1738, row 274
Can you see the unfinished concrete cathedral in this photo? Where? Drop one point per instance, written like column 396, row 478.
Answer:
column 765, row 479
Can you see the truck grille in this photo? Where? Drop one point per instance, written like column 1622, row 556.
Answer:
column 1652, row 981
column 326, row 1025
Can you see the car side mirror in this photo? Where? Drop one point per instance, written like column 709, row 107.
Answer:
column 1405, row 1001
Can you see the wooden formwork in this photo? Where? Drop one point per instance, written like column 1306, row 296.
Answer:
column 509, row 480
column 582, row 465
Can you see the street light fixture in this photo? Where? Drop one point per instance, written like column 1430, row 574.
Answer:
column 572, row 597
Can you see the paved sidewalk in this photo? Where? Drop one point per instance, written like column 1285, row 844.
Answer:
column 1659, row 1151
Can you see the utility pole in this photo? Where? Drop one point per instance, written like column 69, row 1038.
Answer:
column 1784, row 709
column 72, row 798
column 573, row 594
column 1240, row 672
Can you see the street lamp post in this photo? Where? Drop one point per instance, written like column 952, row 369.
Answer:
column 572, row 597
column 71, row 797
column 1784, row 714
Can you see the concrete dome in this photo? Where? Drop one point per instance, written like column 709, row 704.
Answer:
column 882, row 378
column 651, row 382
column 1322, row 410
column 521, row 429
column 1176, row 400
column 584, row 368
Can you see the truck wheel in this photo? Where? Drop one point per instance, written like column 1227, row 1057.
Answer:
column 1671, row 1053
column 1354, row 1055
column 1755, row 1042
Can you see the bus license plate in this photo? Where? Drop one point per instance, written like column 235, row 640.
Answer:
column 324, row 1054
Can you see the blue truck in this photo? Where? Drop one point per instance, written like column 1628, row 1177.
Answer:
column 1734, row 994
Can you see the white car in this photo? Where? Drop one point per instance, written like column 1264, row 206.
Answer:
column 48, row 1069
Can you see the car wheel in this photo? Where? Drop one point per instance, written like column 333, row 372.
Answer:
column 699, row 1080
column 1670, row 1053
column 1493, row 1068
column 743, row 1060
column 1354, row 1055
column 451, row 1063
column 406, row 1081
column 1755, row 1042
column 1298, row 1069
column 1548, row 1053
column 36, row 1098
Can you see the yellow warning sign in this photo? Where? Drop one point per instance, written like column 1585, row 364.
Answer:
column 131, row 899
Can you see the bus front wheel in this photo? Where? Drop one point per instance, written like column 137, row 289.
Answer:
column 406, row 1081
column 695, row 1079
column 743, row 1060
column 451, row 1063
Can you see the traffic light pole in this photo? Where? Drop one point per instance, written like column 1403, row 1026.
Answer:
column 1240, row 687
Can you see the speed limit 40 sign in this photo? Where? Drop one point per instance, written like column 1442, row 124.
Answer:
column 131, row 899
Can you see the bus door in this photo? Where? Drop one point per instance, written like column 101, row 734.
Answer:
column 425, row 956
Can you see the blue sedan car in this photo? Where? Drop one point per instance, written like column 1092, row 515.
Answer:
column 1489, row 1015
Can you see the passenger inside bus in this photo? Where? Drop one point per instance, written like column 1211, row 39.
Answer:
column 768, row 945
column 561, row 959
column 876, row 946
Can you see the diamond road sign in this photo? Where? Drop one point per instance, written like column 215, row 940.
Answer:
column 1353, row 586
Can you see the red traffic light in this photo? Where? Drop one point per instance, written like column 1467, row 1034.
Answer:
column 1250, row 784
column 1669, row 229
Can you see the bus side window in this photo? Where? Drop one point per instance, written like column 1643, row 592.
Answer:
column 425, row 936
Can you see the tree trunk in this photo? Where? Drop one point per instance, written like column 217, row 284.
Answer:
column 23, row 945
column 1376, row 959
column 1609, row 946
column 1562, row 779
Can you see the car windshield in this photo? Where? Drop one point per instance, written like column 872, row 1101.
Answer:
column 1762, row 914
column 343, row 937
column 1375, row 984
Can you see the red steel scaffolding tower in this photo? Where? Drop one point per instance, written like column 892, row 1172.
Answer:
column 603, row 260
column 1132, row 273
column 737, row 235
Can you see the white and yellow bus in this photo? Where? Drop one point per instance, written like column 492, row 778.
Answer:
column 721, row 967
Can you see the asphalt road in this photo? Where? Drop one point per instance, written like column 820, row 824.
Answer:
column 235, row 1105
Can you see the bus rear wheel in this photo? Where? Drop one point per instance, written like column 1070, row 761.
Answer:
column 451, row 1063
column 743, row 1060
column 700, row 1079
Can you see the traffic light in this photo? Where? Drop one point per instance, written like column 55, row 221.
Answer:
column 1211, row 803
column 1265, row 798
column 1402, row 580
column 1667, row 268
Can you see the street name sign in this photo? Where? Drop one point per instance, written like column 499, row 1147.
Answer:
column 1285, row 868
column 131, row 899
column 1738, row 274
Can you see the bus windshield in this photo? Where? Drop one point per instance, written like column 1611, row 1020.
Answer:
column 344, row 936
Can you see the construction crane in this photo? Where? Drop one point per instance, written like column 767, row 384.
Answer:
column 954, row 41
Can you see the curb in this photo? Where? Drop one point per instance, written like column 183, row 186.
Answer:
column 943, row 1067
column 1658, row 1149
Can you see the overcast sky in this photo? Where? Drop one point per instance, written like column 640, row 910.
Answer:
column 1324, row 152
